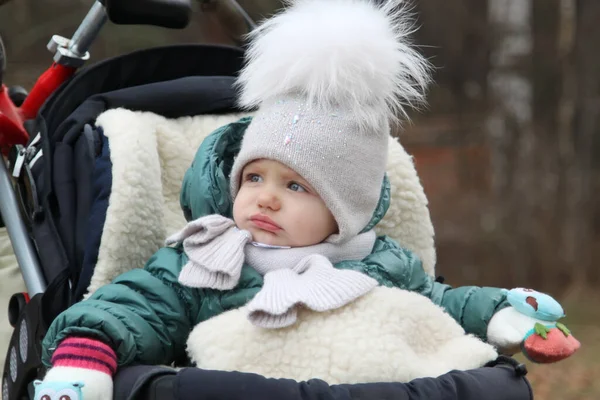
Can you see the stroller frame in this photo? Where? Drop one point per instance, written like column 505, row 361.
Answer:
column 19, row 236
column 69, row 54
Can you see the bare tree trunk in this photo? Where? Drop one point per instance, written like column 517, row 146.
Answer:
column 510, row 131
column 587, row 129
column 565, row 149
column 552, row 27
column 571, row 174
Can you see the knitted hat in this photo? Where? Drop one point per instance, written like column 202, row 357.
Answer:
column 329, row 77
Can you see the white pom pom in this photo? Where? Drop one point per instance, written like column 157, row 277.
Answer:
column 352, row 54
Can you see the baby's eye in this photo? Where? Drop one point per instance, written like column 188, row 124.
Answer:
column 255, row 178
column 296, row 187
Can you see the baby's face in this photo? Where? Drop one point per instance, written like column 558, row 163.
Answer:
column 279, row 207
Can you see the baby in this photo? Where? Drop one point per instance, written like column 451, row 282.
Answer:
column 308, row 185
column 294, row 214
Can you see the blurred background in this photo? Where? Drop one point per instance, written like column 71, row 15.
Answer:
column 508, row 150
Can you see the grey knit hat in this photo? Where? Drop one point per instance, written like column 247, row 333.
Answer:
column 326, row 97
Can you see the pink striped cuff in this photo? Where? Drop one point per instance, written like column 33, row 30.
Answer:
column 85, row 353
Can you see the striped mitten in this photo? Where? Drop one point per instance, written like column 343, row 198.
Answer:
column 82, row 367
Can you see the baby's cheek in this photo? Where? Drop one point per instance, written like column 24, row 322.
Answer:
column 237, row 214
column 308, row 224
column 298, row 222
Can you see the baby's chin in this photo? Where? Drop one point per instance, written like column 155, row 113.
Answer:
column 277, row 239
column 270, row 238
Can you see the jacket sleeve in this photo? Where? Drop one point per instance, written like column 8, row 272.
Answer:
column 145, row 315
column 471, row 306
column 497, row 383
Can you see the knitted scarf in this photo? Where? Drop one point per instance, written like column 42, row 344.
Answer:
column 217, row 250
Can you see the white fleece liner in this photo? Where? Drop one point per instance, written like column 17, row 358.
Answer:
column 150, row 155
column 388, row 335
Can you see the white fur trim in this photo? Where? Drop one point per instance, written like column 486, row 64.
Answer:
column 386, row 335
column 150, row 155
column 407, row 220
column 97, row 385
column 351, row 53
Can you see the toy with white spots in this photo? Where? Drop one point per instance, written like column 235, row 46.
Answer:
column 58, row 390
column 532, row 321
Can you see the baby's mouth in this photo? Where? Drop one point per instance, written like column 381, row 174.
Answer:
column 265, row 223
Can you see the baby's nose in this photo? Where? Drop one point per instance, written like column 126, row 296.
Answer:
column 269, row 199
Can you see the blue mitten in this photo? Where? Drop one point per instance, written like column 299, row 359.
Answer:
column 531, row 325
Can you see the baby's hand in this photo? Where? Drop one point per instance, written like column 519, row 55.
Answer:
column 530, row 325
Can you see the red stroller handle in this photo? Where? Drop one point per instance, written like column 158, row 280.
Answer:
column 11, row 123
column 46, row 84
column 11, row 117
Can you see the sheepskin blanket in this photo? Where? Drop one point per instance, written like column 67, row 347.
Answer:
column 150, row 155
column 387, row 335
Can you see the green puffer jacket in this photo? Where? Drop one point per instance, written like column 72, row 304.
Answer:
column 146, row 315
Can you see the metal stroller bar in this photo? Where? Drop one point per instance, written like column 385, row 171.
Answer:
column 251, row 24
column 85, row 35
column 74, row 52
column 22, row 245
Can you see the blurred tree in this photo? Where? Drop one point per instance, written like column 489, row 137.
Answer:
column 542, row 148
column 586, row 110
column 526, row 72
column 509, row 126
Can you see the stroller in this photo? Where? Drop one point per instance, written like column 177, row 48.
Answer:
column 55, row 191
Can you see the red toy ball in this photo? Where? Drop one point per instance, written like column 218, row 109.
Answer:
column 555, row 347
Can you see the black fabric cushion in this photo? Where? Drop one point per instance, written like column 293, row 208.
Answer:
column 501, row 382
column 156, row 80
column 139, row 68
column 100, row 194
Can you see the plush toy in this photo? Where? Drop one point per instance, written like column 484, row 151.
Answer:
column 58, row 390
column 549, row 340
